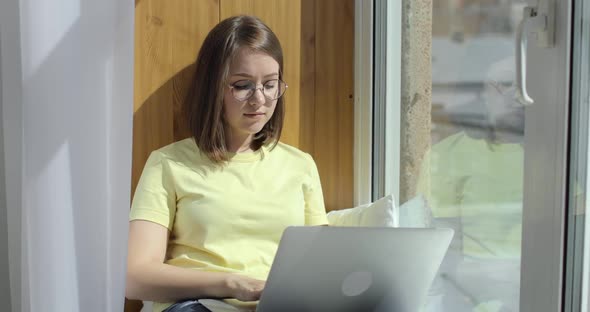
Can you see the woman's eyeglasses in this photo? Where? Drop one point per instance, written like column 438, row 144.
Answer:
column 244, row 89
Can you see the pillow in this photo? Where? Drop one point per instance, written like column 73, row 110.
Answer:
column 384, row 213
column 381, row 213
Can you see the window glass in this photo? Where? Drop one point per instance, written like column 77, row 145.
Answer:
column 472, row 175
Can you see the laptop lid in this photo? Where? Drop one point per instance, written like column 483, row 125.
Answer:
column 353, row 269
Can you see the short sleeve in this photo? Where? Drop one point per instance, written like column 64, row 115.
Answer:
column 315, row 211
column 155, row 198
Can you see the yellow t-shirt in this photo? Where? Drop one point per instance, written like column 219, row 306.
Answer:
column 227, row 218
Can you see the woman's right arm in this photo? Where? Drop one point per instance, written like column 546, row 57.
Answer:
column 149, row 278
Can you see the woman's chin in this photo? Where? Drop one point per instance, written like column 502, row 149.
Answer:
column 252, row 129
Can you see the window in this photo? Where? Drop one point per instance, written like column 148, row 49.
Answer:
column 489, row 164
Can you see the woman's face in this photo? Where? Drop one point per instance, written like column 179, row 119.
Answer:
column 247, row 117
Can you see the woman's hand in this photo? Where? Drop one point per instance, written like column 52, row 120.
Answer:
column 244, row 288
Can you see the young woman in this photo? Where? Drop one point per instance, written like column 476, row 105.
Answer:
column 208, row 211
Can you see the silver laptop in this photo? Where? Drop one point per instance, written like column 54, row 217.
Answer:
column 346, row 269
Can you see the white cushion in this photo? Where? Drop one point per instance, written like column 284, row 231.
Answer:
column 384, row 213
column 381, row 213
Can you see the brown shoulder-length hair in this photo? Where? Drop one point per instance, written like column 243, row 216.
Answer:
column 204, row 103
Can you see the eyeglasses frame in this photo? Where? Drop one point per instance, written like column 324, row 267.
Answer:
column 231, row 87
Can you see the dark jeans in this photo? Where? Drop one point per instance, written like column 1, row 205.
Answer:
column 187, row 306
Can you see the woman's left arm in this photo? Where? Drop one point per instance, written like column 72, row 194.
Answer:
column 315, row 210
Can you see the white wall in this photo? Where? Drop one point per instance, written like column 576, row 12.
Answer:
column 67, row 124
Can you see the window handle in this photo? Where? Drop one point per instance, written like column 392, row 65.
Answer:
column 540, row 21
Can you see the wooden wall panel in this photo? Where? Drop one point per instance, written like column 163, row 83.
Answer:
column 334, row 101
column 168, row 35
column 284, row 18
column 308, row 76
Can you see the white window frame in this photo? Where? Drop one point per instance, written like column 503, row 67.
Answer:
column 363, row 101
column 545, row 170
column 577, row 272
column 393, row 82
column 388, row 77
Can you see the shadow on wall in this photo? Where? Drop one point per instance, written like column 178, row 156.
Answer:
column 159, row 120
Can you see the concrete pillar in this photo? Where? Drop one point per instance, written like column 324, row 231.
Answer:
column 416, row 92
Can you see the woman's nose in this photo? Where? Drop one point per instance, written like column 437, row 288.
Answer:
column 257, row 98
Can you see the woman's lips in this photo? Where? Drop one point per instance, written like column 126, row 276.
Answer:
column 254, row 115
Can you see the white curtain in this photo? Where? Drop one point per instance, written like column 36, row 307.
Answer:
column 67, row 103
